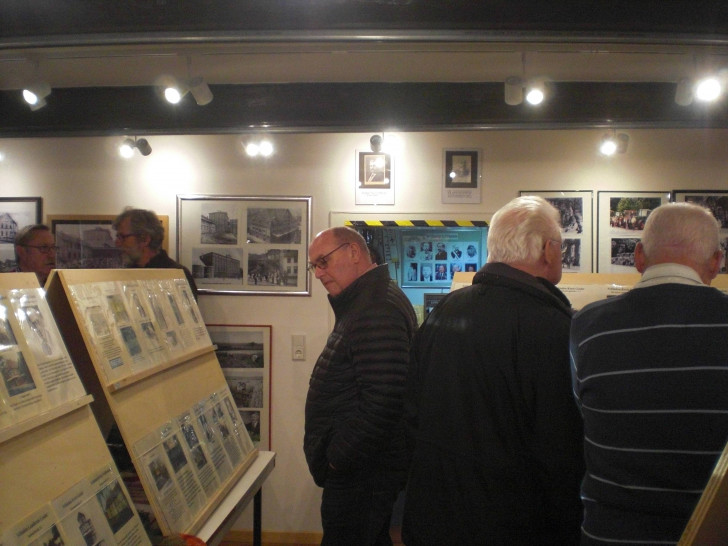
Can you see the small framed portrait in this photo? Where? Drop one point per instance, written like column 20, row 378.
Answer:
column 461, row 176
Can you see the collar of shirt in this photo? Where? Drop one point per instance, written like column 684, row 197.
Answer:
column 669, row 273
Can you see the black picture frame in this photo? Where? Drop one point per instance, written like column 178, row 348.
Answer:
column 461, row 168
column 430, row 300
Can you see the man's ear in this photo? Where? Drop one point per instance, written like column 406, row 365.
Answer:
column 640, row 260
column 714, row 264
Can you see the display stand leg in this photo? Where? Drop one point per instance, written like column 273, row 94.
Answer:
column 257, row 510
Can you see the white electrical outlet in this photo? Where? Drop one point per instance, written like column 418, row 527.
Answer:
column 298, row 347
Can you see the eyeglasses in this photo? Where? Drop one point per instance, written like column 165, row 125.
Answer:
column 43, row 249
column 322, row 263
column 123, row 236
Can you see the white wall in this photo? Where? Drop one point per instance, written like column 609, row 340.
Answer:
column 86, row 176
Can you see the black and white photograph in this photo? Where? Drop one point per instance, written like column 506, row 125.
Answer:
column 15, row 214
column 623, row 255
column 15, row 373
column 374, row 179
column 575, row 210
column 244, row 355
column 241, row 350
column 88, row 241
column 217, row 266
column 251, row 420
column 621, row 219
column 461, row 176
column 273, row 267
column 242, row 245
column 115, row 506
column 274, row 225
column 218, row 226
column 714, row 200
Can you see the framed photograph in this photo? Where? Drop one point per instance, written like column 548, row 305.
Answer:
column 576, row 209
column 245, row 245
column 244, row 353
column 430, row 300
column 432, row 256
column 461, row 176
column 15, row 214
column 621, row 219
column 717, row 202
column 374, row 183
column 87, row 241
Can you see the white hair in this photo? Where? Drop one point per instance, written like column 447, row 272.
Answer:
column 681, row 230
column 519, row 230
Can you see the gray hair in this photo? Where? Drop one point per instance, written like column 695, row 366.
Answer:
column 519, row 230
column 681, row 230
column 143, row 222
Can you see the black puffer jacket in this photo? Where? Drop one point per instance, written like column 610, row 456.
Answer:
column 354, row 404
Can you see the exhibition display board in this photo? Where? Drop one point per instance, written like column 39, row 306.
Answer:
column 141, row 348
column 59, row 481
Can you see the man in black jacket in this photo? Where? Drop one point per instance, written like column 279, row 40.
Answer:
column 355, row 435
column 495, row 432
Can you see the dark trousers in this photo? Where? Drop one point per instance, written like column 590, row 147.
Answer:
column 356, row 509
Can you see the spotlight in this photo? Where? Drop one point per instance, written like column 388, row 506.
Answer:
column 684, row 92
column 535, row 92
column 262, row 148
column 708, row 89
column 200, row 91
column 375, row 142
column 126, row 150
column 35, row 95
column 171, row 89
column 613, row 143
column 513, row 90
column 143, row 146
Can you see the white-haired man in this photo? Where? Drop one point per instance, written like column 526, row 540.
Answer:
column 651, row 377
column 496, row 435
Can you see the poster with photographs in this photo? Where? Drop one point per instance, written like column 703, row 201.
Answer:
column 575, row 208
column 245, row 245
column 244, row 353
column 621, row 219
column 717, row 202
column 15, row 214
column 432, row 256
column 374, row 180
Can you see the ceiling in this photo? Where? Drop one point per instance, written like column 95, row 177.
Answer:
column 272, row 63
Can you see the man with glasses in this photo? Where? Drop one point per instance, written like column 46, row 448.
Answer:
column 354, row 433
column 35, row 251
column 139, row 236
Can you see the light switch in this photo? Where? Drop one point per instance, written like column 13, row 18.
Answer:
column 298, row 347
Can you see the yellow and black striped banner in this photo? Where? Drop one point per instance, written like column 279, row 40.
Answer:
column 416, row 223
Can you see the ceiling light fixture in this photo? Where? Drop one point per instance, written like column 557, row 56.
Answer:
column 35, row 94
column 126, row 150
column 200, row 91
column 375, row 143
column 708, row 89
column 535, row 91
column 262, row 148
column 613, row 143
column 513, row 90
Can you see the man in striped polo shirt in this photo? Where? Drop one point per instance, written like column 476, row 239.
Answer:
column 650, row 373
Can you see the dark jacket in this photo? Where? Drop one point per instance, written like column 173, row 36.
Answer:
column 161, row 260
column 354, row 405
column 496, row 432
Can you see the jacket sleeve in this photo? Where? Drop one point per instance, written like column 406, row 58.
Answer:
column 379, row 345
